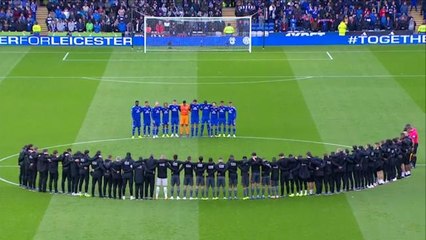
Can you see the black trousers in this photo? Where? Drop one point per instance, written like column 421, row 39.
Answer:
column 358, row 178
column 74, row 182
column 284, row 181
column 22, row 175
column 116, row 186
column 66, row 177
column 53, row 180
column 149, row 184
column 107, row 183
column 294, row 183
column 31, row 177
column 328, row 183
column 303, row 183
column 338, row 178
column 97, row 178
column 84, row 177
column 318, row 184
column 139, row 190
column 348, row 180
column 42, row 181
column 127, row 178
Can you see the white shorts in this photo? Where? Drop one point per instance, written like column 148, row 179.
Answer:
column 161, row 182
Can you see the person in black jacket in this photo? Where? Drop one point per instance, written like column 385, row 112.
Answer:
column 97, row 173
column 199, row 169
column 188, row 178
column 311, row 178
column 284, row 175
column 244, row 166
column 53, row 162
column 348, row 179
column 83, row 172
column 221, row 168
column 127, row 167
column 162, row 166
column 255, row 163
column 328, row 175
column 379, row 164
column 139, row 174
column 266, row 178
column 304, row 175
column 21, row 164
column 107, row 182
column 31, row 167
column 293, row 166
column 211, row 170
column 275, row 176
column 117, row 180
column 42, row 167
column 66, row 159
column 318, row 165
column 232, row 177
column 175, row 168
column 149, row 181
column 339, row 164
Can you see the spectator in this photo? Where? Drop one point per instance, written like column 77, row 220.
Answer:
column 89, row 26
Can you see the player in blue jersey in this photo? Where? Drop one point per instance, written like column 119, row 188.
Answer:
column 222, row 119
column 214, row 119
column 156, row 118
column 174, row 110
column 232, row 116
column 165, row 117
column 146, row 112
column 136, row 117
column 195, row 117
column 205, row 117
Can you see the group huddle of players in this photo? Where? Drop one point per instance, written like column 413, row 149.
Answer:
column 343, row 170
column 216, row 118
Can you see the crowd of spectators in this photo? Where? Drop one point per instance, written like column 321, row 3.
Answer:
column 17, row 15
column 120, row 16
column 325, row 15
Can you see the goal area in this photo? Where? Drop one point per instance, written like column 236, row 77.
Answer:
column 197, row 34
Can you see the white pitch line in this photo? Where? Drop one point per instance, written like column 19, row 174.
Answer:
column 9, row 166
column 7, row 181
column 329, row 55
column 198, row 60
column 65, row 57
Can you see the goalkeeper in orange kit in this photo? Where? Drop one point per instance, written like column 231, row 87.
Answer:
column 184, row 118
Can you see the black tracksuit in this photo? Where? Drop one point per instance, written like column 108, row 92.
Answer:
column 97, row 165
column 21, row 164
column 116, row 179
column 284, row 175
column 66, row 160
column 31, row 168
column 328, row 175
column 127, row 167
column 42, row 167
column 83, row 172
column 139, row 175
column 358, row 168
column 53, row 172
column 107, row 178
column 348, row 179
column 318, row 166
column 304, row 173
column 293, row 166
column 339, row 167
column 149, row 178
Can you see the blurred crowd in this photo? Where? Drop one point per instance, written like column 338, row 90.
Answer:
column 17, row 15
column 325, row 15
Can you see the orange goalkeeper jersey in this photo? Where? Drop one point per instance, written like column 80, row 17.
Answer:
column 184, row 110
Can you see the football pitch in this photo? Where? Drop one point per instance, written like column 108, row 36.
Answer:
column 291, row 100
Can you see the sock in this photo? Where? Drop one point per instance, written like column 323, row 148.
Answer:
column 133, row 131
column 157, row 191
column 235, row 192
column 252, row 191
column 229, row 130
column 229, row 192
column 196, row 192
column 144, row 130
column 192, row 131
column 245, row 192
column 269, row 191
column 263, row 191
column 190, row 193
column 165, row 192
column 149, row 130
column 178, row 191
column 196, row 131
column 139, row 131
column 172, row 191
column 202, row 130
column 208, row 129
column 184, row 193
column 202, row 193
column 257, row 190
column 234, row 130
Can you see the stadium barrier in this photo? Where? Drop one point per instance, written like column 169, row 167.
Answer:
column 272, row 39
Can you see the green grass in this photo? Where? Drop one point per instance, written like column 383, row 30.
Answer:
column 292, row 100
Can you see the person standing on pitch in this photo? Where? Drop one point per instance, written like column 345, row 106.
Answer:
column 222, row 109
column 31, row 168
column 162, row 165
column 221, row 168
column 174, row 118
column 205, row 117
column 74, row 172
column 232, row 166
column 244, row 166
column 66, row 159
column 199, row 169
column 284, row 174
column 139, row 175
column 211, row 170
column 188, row 179
column 21, row 164
column 42, row 167
column 184, row 118
column 175, row 168
column 165, row 119
column 293, row 166
column 136, row 117
column 97, row 173
column 146, row 112
column 328, row 175
column 413, row 134
column 83, row 172
column 318, row 166
column 117, row 180
column 107, row 182
column 127, row 167
column 266, row 178
column 149, row 181
column 53, row 161
column 232, row 117
column 275, row 175
column 195, row 117
column 156, row 118
column 255, row 164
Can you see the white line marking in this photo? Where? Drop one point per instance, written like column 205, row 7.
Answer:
column 9, row 166
column 7, row 181
column 329, row 55
column 184, row 61
column 198, row 83
column 65, row 57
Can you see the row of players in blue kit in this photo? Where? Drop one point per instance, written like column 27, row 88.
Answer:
column 219, row 120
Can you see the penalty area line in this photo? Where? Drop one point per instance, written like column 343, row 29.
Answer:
column 329, row 55
column 65, row 57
